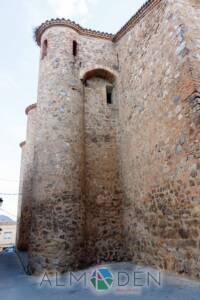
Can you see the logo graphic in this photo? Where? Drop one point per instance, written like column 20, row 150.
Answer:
column 102, row 279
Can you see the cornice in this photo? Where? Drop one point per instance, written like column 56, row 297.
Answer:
column 68, row 23
column 148, row 6
column 22, row 144
column 30, row 107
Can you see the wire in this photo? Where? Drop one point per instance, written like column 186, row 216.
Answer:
column 7, row 194
column 8, row 180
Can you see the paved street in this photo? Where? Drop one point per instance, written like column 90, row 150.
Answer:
column 16, row 285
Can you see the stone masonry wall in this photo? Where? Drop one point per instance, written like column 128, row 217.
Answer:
column 103, row 194
column 159, row 141
column 58, row 223
column 19, row 207
column 94, row 53
column 25, row 200
column 118, row 181
column 57, row 239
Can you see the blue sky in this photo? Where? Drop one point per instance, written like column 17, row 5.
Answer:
column 19, row 60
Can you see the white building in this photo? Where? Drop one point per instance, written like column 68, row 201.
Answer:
column 7, row 232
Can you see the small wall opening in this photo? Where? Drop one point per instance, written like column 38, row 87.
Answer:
column 109, row 94
column 44, row 48
column 75, row 48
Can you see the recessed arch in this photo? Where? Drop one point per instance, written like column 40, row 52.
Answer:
column 98, row 71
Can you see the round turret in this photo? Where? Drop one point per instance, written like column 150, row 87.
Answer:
column 26, row 176
column 57, row 239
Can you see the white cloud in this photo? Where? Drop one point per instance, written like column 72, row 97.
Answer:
column 72, row 8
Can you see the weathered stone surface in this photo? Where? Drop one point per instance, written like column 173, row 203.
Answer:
column 121, row 180
column 103, row 191
column 26, row 176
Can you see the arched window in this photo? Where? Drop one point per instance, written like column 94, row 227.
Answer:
column 75, row 48
column 44, row 48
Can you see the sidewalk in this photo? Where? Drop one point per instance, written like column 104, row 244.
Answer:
column 16, row 285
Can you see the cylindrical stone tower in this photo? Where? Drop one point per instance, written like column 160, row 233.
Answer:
column 57, row 231
column 23, row 163
column 25, row 190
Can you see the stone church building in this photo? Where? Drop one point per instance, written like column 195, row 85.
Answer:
column 111, row 164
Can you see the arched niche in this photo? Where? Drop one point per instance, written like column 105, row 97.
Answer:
column 97, row 71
